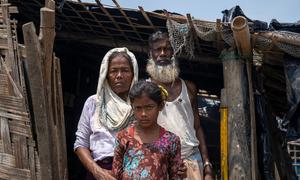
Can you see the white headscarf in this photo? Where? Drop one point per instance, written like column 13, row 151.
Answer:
column 111, row 110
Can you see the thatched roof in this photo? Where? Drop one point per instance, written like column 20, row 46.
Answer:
column 87, row 25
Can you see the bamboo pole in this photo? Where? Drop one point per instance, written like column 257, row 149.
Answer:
column 241, row 34
column 240, row 28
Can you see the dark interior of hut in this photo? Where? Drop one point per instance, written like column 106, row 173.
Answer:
column 80, row 64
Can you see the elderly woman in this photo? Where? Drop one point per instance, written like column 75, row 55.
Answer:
column 105, row 113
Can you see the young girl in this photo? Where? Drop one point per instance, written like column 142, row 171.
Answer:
column 146, row 150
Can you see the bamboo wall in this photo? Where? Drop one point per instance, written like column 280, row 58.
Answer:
column 32, row 131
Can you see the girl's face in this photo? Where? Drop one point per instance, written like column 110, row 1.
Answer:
column 146, row 111
column 120, row 75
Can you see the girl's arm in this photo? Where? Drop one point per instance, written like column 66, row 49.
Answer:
column 117, row 168
column 175, row 159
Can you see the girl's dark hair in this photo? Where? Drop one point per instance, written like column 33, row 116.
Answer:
column 148, row 88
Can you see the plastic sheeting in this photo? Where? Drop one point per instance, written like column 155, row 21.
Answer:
column 292, row 117
column 270, row 140
column 228, row 16
column 292, row 27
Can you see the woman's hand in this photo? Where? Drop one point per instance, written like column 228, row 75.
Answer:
column 100, row 173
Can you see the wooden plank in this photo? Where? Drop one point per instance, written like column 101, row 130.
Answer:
column 32, row 162
column 61, row 121
column 7, row 172
column 20, row 151
column 13, row 10
column 4, row 90
column 14, row 111
column 13, row 116
column 11, row 54
column 20, row 128
column 46, row 37
column 7, row 160
column 5, row 135
column 14, row 87
column 36, row 85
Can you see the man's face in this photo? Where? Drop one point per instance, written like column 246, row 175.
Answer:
column 161, row 52
column 161, row 65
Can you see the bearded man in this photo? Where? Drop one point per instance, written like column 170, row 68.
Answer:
column 180, row 114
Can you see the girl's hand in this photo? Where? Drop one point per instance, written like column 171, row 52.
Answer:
column 182, row 170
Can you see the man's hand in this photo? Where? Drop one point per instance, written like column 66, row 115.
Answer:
column 208, row 177
column 182, row 170
column 208, row 173
column 100, row 173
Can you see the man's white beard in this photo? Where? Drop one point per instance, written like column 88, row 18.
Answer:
column 165, row 74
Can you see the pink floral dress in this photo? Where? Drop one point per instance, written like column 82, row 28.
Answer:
column 158, row 160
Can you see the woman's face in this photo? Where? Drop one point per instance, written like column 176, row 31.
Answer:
column 120, row 74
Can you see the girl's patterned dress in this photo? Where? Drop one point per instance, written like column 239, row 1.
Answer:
column 158, row 160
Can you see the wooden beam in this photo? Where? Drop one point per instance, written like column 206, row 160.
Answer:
column 241, row 33
column 79, row 15
column 191, row 25
column 238, row 123
column 128, row 20
column 98, row 22
column 138, row 47
column 281, row 38
column 68, row 19
column 46, row 38
column 111, row 18
column 147, row 17
column 219, row 36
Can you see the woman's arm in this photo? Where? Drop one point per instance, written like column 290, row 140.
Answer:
column 82, row 142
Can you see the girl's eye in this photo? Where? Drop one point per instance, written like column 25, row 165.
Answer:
column 150, row 107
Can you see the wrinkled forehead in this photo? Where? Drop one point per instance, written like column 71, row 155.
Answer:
column 120, row 56
column 161, row 42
